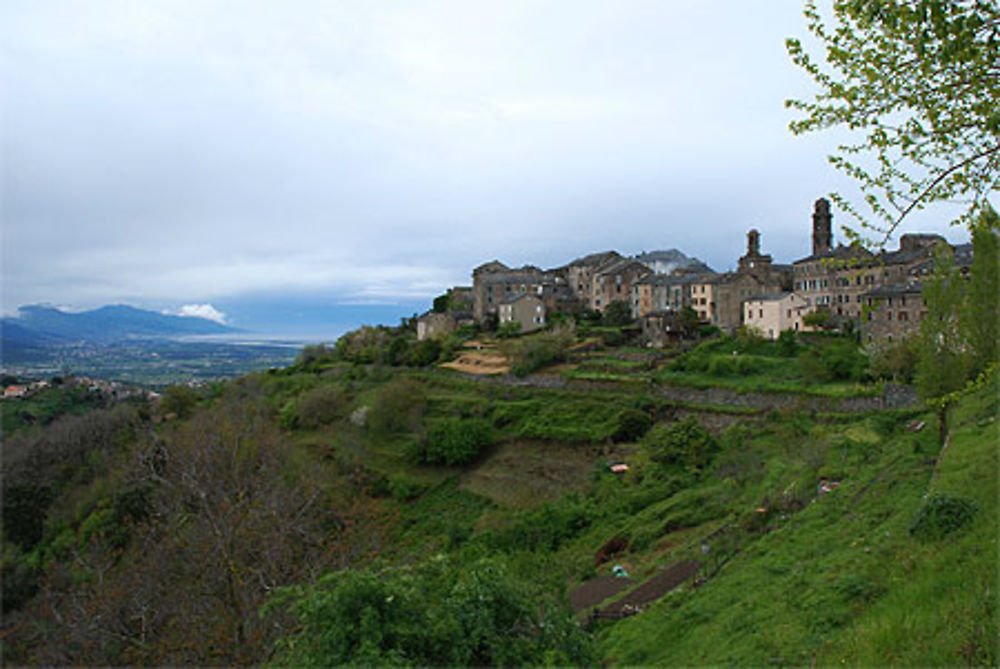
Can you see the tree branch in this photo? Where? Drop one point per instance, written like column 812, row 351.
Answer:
column 941, row 177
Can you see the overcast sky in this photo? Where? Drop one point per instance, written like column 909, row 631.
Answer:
column 178, row 152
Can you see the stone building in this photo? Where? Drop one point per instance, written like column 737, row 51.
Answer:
column 756, row 274
column 432, row 324
column 614, row 282
column 494, row 283
column 580, row 273
column 892, row 312
column 838, row 278
column 773, row 314
column 527, row 310
column 662, row 328
column 672, row 292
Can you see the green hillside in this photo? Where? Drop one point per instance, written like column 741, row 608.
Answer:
column 347, row 510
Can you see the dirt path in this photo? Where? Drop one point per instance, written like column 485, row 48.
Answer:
column 651, row 590
column 596, row 590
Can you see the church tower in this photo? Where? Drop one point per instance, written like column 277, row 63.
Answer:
column 822, row 229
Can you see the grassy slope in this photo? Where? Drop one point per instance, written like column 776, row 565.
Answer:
column 842, row 580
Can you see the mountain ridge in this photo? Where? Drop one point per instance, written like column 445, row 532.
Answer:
column 44, row 325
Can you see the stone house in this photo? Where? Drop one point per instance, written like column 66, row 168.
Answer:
column 432, row 324
column 773, row 314
column 494, row 283
column 526, row 310
column 892, row 312
column 614, row 282
column 661, row 328
column 671, row 292
column 580, row 273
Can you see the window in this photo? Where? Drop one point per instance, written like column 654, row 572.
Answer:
column 762, row 313
column 903, row 316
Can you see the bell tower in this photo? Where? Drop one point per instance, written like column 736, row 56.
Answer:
column 822, row 231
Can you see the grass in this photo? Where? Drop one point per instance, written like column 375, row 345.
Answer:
column 522, row 474
column 842, row 580
column 768, row 384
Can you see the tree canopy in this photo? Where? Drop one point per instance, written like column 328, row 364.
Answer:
column 917, row 82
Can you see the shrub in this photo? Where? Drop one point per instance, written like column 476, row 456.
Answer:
column 941, row 515
column 632, row 424
column 896, row 360
column 508, row 330
column 364, row 345
column 788, row 345
column 178, row 400
column 684, row 444
column 532, row 353
column 319, row 406
column 398, row 405
column 311, row 357
column 457, row 441
column 837, row 360
column 618, row 312
column 424, row 352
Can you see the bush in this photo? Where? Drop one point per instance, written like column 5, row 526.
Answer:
column 618, row 312
column 424, row 353
column 508, row 330
column 311, row 357
column 457, row 441
column 319, row 406
column 941, row 515
column 398, row 405
column 788, row 345
column 430, row 614
column 632, row 424
column 837, row 360
column 178, row 400
column 532, row 353
column 684, row 444
column 896, row 360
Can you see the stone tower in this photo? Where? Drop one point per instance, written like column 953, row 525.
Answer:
column 822, row 228
column 753, row 258
column 753, row 243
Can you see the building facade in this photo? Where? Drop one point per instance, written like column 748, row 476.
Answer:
column 527, row 310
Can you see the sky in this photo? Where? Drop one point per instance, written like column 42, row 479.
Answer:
column 249, row 161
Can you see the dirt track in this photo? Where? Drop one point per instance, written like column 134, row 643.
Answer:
column 651, row 590
column 596, row 590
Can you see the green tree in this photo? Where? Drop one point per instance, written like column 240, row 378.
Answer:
column 457, row 441
column 441, row 303
column 178, row 400
column 618, row 312
column 917, row 83
column 943, row 362
column 981, row 311
column 684, row 444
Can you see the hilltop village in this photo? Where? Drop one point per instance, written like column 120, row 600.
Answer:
column 877, row 295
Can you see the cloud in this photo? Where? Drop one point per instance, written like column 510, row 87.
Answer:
column 202, row 311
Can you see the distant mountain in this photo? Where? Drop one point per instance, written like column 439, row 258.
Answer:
column 41, row 325
column 665, row 262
